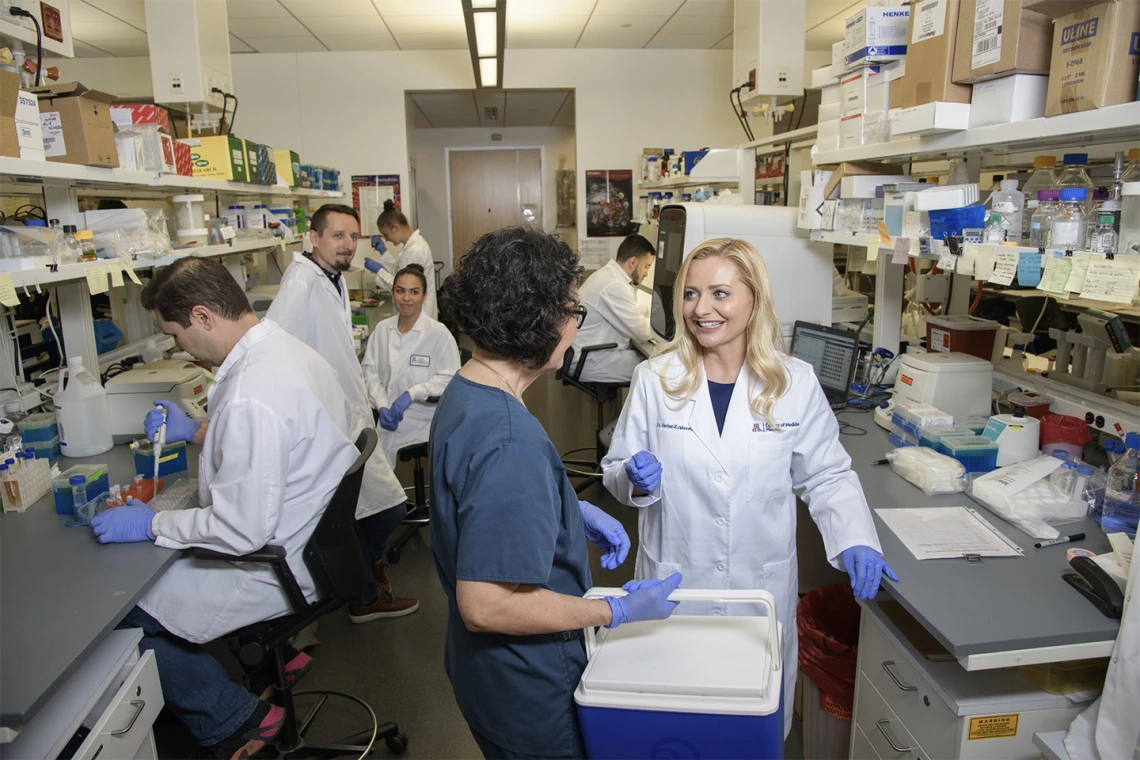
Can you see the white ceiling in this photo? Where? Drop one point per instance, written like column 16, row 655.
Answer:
column 118, row 27
column 445, row 109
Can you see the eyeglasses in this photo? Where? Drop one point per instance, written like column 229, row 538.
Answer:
column 579, row 313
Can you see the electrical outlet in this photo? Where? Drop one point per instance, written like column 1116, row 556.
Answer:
column 176, row 82
column 752, row 79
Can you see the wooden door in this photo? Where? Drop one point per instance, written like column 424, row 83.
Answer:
column 491, row 189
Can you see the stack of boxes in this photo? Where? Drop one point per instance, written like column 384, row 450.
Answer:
column 20, row 134
column 144, row 143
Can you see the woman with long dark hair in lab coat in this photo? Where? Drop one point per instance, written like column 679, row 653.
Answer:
column 718, row 431
column 395, row 230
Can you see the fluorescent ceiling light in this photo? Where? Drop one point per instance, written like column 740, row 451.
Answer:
column 486, row 34
column 489, row 71
column 478, row 4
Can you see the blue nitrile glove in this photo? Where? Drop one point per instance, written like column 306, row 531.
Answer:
column 179, row 427
column 378, row 246
column 388, row 420
column 606, row 533
column 400, row 405
column 372, row 265
column 124, row 525
column 647, row 600
column 644, row 471
column 866, row 567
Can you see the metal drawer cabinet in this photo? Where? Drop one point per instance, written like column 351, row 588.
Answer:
column 861, row 748
column 889, row 737
column 123, row 730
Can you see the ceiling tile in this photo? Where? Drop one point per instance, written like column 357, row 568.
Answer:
column 426, row 25
column 267, row 27
column 533, row 108
column 819, row 40
column 255, row 9
column 717, row 25
column 82, row 13
column 448, row 109
column 544, row 31
column 237, row 46
column 432, row 41
column 87, row 51
column 419, row 8
column 676, row 41
column 551, row 8
column 354, row 25
column 636, row 7
column 725, row 44
column 330, row 7
column 609, row 40
column 720, row 8
column 108, row 31
column 359, row 42
column 634, row 27
column 131, row 11
column 296, row 44
column 126, row 48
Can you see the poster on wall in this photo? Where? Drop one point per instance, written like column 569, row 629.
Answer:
column 369, row 191
column 609, row 203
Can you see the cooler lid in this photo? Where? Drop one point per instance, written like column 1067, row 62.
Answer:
column 945, row 362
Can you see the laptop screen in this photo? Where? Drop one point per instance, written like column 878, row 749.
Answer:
column 829, row 351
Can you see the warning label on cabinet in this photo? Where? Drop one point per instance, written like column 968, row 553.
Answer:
column 993, row 727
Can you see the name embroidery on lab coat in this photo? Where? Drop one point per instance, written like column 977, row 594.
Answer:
column 764, row 427
column 419, row 360
column 670, row 426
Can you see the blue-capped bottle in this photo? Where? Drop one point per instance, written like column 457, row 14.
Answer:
column 1122, row 492
column 1075, row 174
column 1069, row 225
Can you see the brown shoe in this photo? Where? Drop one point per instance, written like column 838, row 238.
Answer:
column 382, row 583
column 387, row 606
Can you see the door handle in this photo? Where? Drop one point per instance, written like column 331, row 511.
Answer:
column 139, row 705
column 893, row 677
column 879, row 724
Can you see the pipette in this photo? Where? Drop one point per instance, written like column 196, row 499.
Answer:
column 157, row 444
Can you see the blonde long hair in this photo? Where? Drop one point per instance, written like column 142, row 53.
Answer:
column 765, row 341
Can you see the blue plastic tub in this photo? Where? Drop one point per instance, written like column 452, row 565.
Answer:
column 173, row 460
column 976, row 453
column 951, row 221
column 97, row 483
column 691, row 686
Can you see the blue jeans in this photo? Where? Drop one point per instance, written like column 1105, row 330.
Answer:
column 374, row 532
column 195, row 686
column 492, row 751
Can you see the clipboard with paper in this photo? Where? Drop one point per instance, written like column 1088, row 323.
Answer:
column 948, row 533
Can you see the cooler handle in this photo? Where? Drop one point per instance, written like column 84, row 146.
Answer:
column 742, row 596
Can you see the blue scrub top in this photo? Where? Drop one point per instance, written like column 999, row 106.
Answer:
column 503, row 511
column 720, row 394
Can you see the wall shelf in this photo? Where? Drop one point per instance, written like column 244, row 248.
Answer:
column 686, row 182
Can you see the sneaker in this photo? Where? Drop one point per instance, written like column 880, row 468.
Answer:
column 259, row 730
column 387, row 606
column 262, row 682
column 379, row 568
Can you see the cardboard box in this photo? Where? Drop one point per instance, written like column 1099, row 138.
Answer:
column 9, row 94
column 129, row 148
column 20, row 133
column 1000, row 37
column 930, row 119
column 218, row 157
column 855, row 169
column 930, row 59
column 875, row 35
column 1096, row 58
column 183, row 164
column 76, row 124
column 130, row 115
column 1014, row 98
column 838, row 62
column 1058, row 8
column 288, row 167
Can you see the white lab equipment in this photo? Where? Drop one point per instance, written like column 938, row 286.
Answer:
column 925, row 468
column 958, row 384
column 132, row 394
column 190, row 215
column 82, row 411
column 1017, row 435
column 1025, row 495
column 799, row 270
column 1081, row 356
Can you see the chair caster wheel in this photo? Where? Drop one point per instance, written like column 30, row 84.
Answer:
column 397, row 744
column 393, row 555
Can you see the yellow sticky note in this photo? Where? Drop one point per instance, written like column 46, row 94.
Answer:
column 131, row 273
column 96, row 279
column 116, row 275
column 884, row 235
column 8, row 295
column 872, row 249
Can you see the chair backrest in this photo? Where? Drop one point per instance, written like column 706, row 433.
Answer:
column 567, row 369
column 333, row 553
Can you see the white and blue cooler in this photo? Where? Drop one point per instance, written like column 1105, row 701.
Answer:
column 691, row 686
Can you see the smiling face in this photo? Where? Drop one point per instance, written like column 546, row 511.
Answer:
column 717, row 303
column 335, row 246
column 408, row 295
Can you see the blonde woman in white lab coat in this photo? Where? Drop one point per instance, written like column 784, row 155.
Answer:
column 394, row 228
column 410, row 358
column 718, row 432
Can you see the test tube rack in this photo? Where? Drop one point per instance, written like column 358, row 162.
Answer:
column 32, row 481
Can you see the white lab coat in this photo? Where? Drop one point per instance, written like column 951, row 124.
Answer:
column 421, row 362
column 725, row 512
column 309, row 307
column 276, row 449
column 415, row 251
column 612, row 316
column 1110, row 728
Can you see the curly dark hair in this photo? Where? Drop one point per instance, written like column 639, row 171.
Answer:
column 512, row 292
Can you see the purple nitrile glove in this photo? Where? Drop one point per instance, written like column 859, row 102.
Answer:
column 400, row 405
column 649, row 600
column 606, row 533
column 644, row 471
column 372, row 265
column 866, row 567
column 388, row 420
column 379, row 247
column 124, row 525
column 179, row 427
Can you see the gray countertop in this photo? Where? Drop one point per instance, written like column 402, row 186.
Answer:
column 996, row 605
column 62, row 591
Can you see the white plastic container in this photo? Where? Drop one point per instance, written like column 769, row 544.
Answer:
column 1011, row 205
column 82, row 412
column 255, row 217
column 1017, row 435
column 189, row 212
column 1130, row 219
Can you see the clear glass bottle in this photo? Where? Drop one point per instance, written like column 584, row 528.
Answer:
column 86, row 240
column 1044, row 177
column 1010, row 204
column 72, row 248
column 1067, row 231
column 1103, row 237
column 1075, row 174
column 957, row 175
column 1042, row 221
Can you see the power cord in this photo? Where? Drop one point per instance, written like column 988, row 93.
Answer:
column 18, row 11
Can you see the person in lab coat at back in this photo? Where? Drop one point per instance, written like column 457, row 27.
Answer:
column 395, row 230
column 312, row 304
column 410, row 358
column 613, row 315
column 718, row 432
column 273, row 452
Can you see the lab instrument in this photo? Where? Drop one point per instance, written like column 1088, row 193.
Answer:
column 159, row 442
column 1017, row 435
column 1060, row 540
column 956, row 383
column 132, row 394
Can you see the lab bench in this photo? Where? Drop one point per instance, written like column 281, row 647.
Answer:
column 63, row 594
column 953, row 694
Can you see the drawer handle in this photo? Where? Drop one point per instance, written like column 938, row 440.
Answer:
column 887, row 667
column 882, row 730
column 139, row 705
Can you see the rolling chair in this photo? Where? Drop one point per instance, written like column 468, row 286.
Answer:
column 333, row 557
column 437, row 267
column 601, row 393
column 418, row 516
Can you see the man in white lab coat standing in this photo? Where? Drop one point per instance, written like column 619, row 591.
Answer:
column 612, row 313
column 312, row 304
column 274, row 451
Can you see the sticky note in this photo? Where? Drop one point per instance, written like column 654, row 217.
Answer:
column 1005, row 267
column 1057, row 271
column 96, row 279
column 856, row 258
column 985, row 258
column 947, row 261
column 1029, row 268
column 884, row 235
column 8, row 294
column 1112, row 280
column 131, row 273
column 902, row 251
column 966, row 260
column 116, row 275
column 1078, row 273
column 872, row 249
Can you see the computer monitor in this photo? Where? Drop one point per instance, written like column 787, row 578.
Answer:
column 830, row 351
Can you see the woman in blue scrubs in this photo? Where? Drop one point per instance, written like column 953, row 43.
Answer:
column 507, row 531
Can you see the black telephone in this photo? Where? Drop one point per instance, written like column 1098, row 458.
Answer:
column 1096, row 585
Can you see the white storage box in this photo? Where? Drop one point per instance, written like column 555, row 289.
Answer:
column 864, row 185
column 937, row 198
column 830, row 94
column 876, row 35
column 29, row 134
column 691, row 685
column 959, row 384
column 853, row 87
column 849, row 308
column 823, row 76
column 851, row 130
column 838, row 62
column 1019, row 97
column 828, row 112
column 930, row 119
column 812, row 184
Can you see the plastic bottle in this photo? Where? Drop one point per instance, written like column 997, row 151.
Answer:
column 957, row 175
column 1043, row 178
column 82, row 411
column 1103, row 237
column 994, row 232
column 1042, row 221
column 1122, row 493
column 78, row 490
column 1076, row 175
column 72, row 248
column 1010, row 204
column 1067, row 232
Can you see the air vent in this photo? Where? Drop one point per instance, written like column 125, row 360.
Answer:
column 491, row 113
